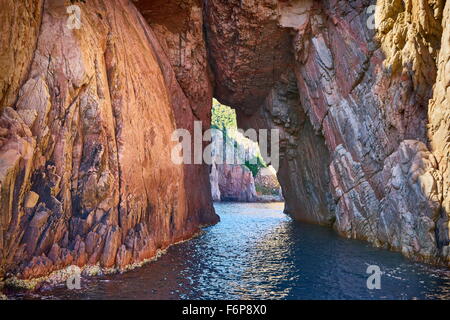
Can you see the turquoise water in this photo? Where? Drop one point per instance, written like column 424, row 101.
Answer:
column 257, row 252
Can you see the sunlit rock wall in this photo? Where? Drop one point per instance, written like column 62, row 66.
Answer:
column 85, row 141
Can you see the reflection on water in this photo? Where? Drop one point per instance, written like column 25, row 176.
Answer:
column 257, row 252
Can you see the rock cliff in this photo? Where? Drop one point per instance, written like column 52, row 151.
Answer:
column 231, row 179
column 85, row 136
column 360, row 96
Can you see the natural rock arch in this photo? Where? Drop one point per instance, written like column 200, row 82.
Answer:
column 350, row 91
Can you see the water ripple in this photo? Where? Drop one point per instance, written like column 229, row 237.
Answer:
column 257, row 252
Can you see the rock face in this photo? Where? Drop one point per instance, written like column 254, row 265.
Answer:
column 232, row 182
column 214, row 180
column 85, row 141
column 439, row 129
column 86, row 118
column 178, row 26
column 363, row 147
column 20, row 22
column 267, row 186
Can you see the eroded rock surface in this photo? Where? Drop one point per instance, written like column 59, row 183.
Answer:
column 232, row 182
column 231, row 179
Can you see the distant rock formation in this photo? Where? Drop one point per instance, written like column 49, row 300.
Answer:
column 236, row 183
column 230, row 179
column 86, row 119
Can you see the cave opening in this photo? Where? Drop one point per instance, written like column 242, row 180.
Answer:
column 241, row 169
